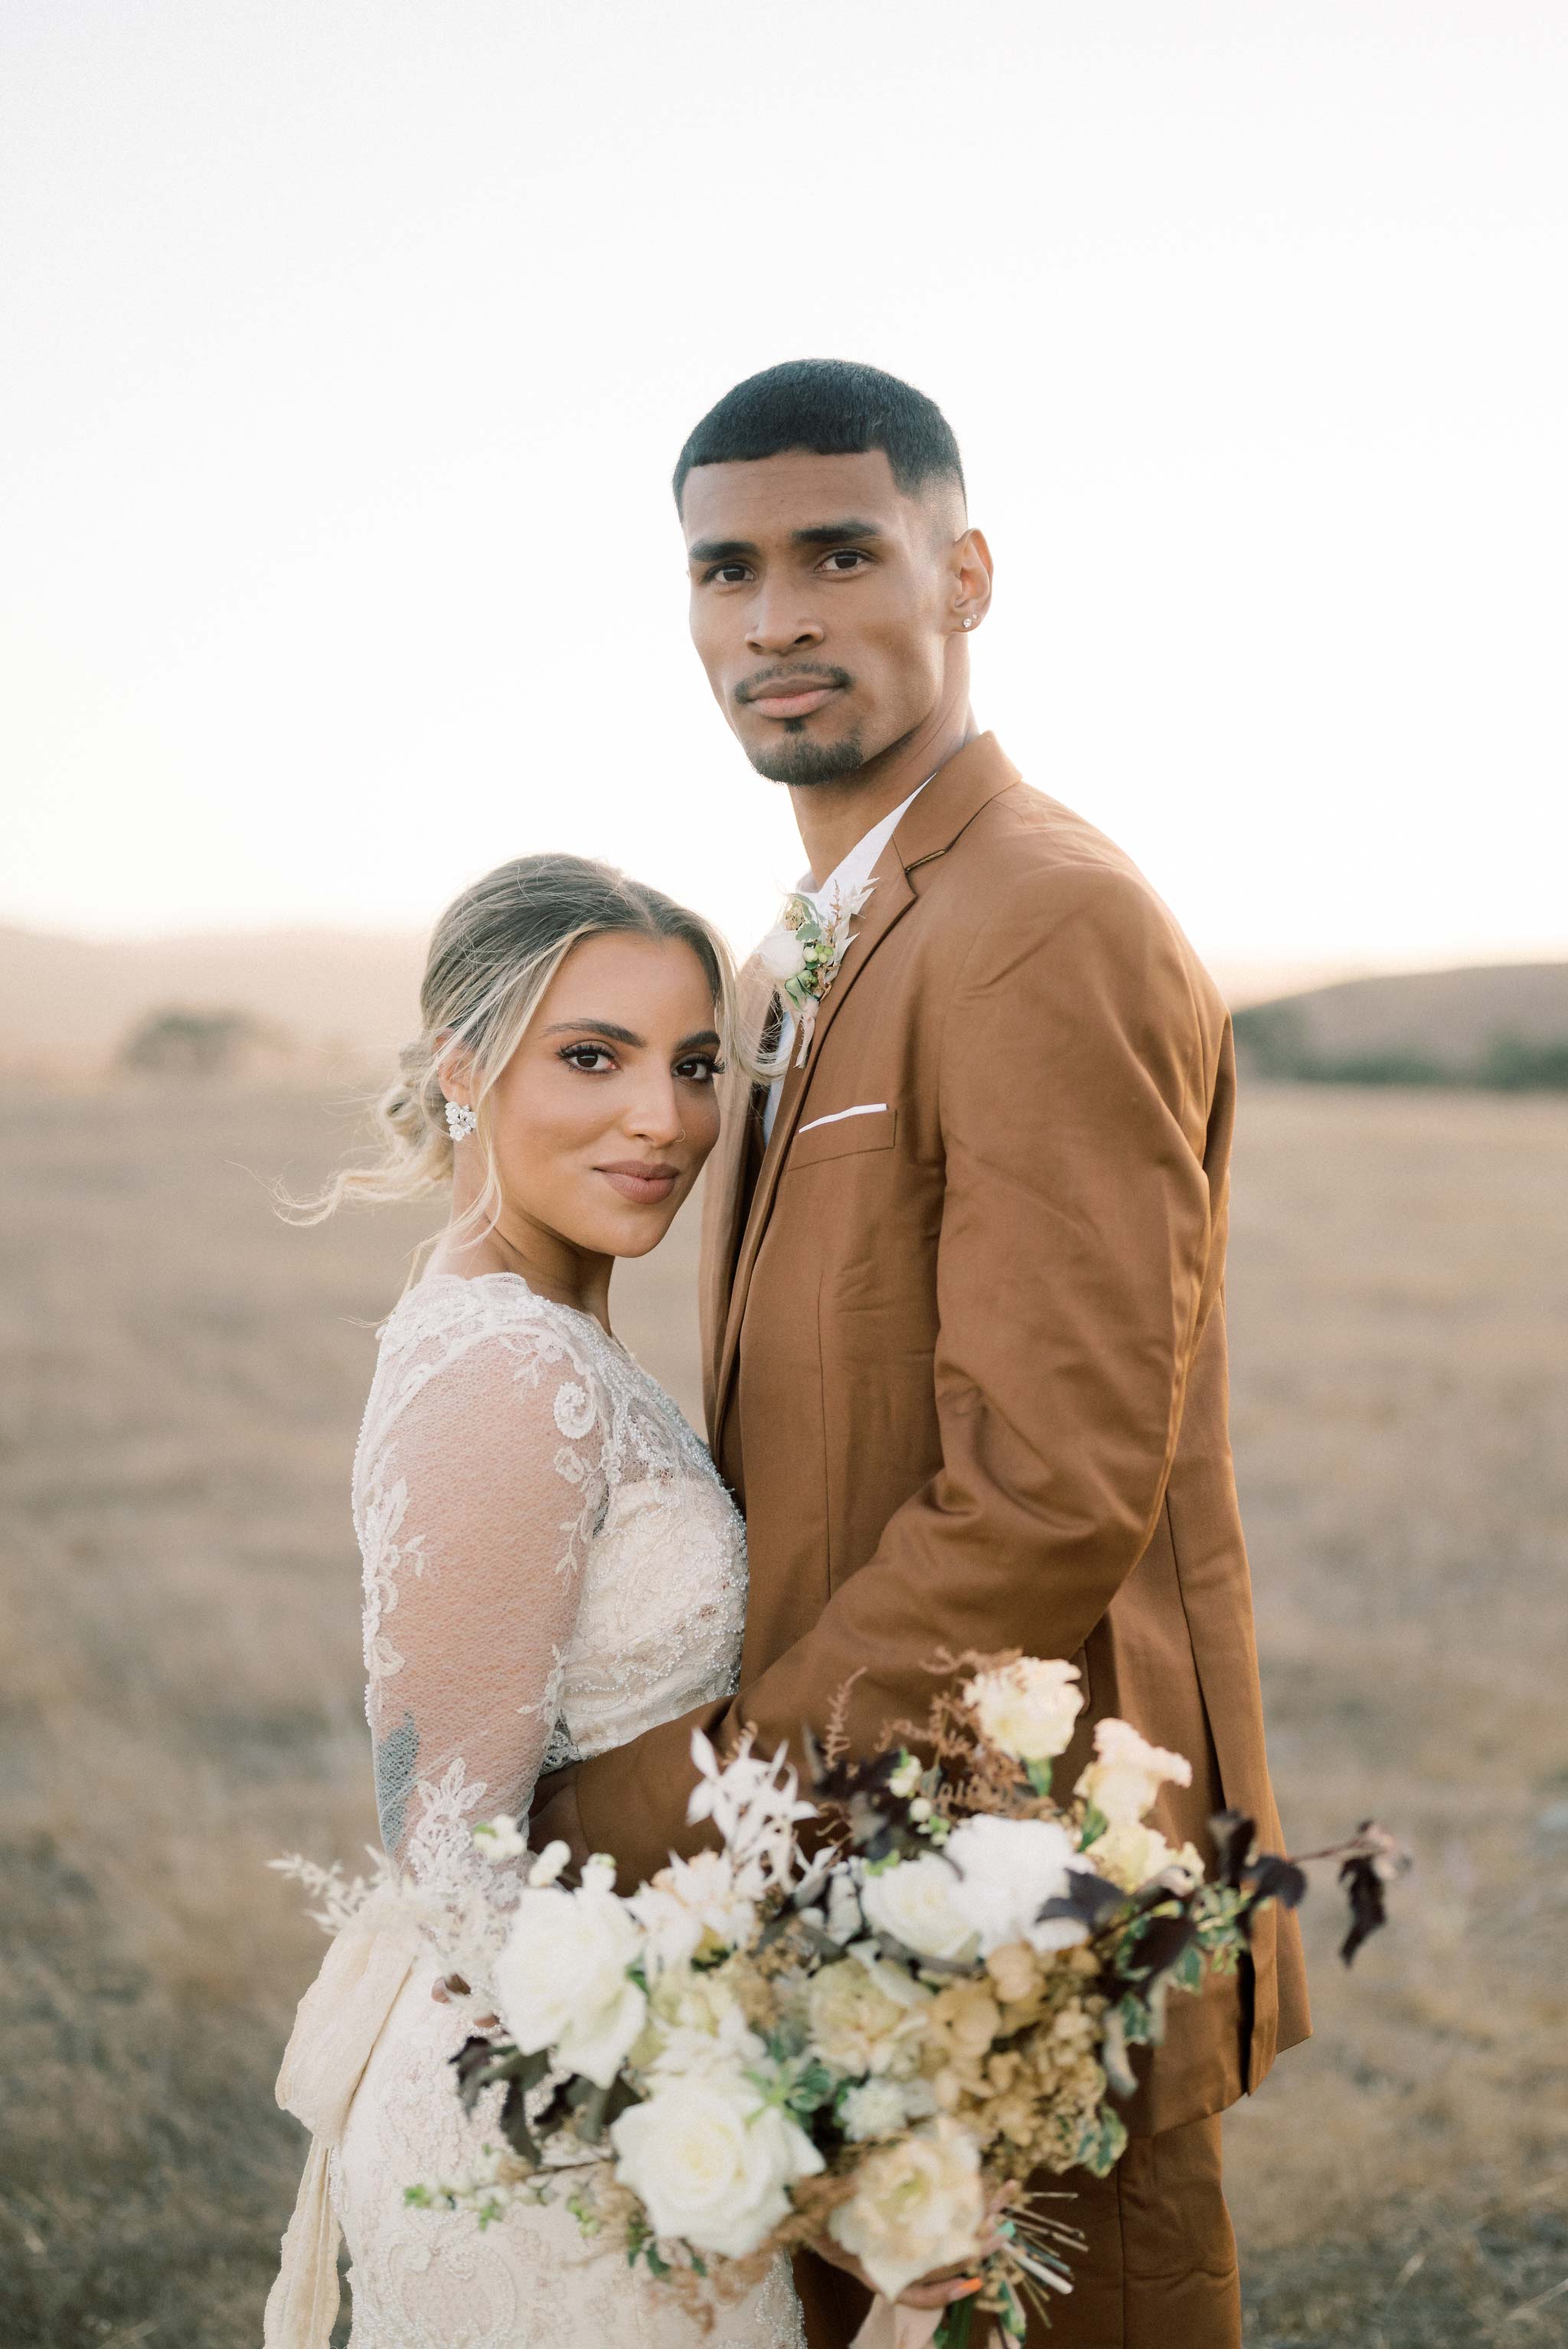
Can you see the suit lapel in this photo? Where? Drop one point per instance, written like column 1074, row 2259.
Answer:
column 953, row 798
column 891, row 897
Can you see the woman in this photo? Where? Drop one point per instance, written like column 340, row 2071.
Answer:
column 551, row 1566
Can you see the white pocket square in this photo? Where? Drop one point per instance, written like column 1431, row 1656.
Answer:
column 837, row 1117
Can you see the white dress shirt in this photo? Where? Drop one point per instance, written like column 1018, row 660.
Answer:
column 851, row 872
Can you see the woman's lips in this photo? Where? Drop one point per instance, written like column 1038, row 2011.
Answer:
column 644, row 1185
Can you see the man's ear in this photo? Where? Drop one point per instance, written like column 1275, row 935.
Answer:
column 970, row 572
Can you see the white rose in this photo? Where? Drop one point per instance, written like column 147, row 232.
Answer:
column 919, row 1902
column 1126, row 1773
column 1028, row 1709
column 562, row 1979
column 866, row 2016
column 781, row 954
column 917, row 2205
column 711, row 2162
column 1010, row 1869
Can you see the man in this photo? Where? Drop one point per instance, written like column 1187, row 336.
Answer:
column 962, row 1269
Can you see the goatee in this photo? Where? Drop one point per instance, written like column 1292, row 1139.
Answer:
column 795, row 759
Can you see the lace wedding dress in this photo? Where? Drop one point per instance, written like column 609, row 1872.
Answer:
column 551, row 1566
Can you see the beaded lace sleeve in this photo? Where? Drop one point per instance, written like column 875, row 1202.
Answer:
column 480, row 1483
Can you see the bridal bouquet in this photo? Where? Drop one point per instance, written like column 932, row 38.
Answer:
column 869, row 2044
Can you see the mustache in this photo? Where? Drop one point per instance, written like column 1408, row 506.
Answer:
column 767, row 680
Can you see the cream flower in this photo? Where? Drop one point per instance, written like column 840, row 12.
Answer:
column 1129, row 1853
column 692, row 1902
column 919, row 1902
column 866, row 2016
column 884, row 2107
column 711, row 2161
column 781, row 954
column 561, row 1981
column 1010, row 1869
column 917, row 2205
column 843, row 1920
column 696, row 2021
column 1028, row 1709
column 1126, row 1773
column 500, row 1839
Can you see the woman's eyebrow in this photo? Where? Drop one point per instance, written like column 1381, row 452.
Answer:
column 703, row 1036
column 616, row 1035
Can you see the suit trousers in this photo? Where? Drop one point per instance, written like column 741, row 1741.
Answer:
column 1159, row 2271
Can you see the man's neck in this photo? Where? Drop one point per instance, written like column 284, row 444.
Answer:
column 833, row 816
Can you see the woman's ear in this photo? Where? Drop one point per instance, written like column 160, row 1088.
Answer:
column 455, row 1068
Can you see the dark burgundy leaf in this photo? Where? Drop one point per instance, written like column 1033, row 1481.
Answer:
column 1233, row 1833
column 1272, row 1878
column 1160, row 1945
column 476, row 2064
column 1368, row 1910
column 1090, row 1900
column 514, row 2125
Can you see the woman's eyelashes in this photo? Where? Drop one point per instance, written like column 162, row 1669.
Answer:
column 600, row 1060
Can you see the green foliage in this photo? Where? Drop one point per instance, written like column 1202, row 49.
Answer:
column 1278, row 1043
column 1102, row 2143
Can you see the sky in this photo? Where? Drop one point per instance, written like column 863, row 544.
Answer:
column 349, row 345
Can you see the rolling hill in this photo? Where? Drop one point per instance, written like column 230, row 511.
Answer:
column 1504, row 1025
column 333, row 1003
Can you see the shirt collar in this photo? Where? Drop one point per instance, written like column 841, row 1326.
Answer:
column 853, row 871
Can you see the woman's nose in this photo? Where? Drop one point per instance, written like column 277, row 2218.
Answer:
column 655, row 1114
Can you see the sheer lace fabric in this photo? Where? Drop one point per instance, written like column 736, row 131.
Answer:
column 550, row 1567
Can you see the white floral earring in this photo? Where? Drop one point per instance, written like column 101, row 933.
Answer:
column 460, row 1121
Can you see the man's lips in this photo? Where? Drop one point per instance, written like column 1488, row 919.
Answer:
column 790, row 697
column 644, row 1184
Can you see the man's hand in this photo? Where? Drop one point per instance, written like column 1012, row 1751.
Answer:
column 553, row 1818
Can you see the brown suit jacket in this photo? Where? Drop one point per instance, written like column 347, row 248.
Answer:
column 965, row 1349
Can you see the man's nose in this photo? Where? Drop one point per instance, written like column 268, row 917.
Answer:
column 778, row 626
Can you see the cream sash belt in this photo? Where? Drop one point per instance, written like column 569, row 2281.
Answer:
column 340, row 2018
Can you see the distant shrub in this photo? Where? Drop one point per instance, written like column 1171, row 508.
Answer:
column 1274, row 1041
column 1274, row 1037
column 1514, row 1064
column 179, row 1042
column 1389, row 1067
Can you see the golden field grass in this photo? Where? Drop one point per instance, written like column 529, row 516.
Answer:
column 180, row 1694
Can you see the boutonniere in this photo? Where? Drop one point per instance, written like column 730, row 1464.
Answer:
column 801, row 957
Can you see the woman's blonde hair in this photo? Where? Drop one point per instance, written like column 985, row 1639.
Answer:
column 493, row 953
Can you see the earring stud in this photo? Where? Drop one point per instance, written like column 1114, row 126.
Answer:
column 969, row 623
column 459, row 1121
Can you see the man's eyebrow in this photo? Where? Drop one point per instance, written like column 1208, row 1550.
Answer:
column 719, row 550
column 595, row 1028
column 832, row 534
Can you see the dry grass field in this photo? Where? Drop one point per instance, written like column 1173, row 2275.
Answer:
column 180, row 1694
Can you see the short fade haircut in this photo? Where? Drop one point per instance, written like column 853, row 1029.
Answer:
column 835, row 408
